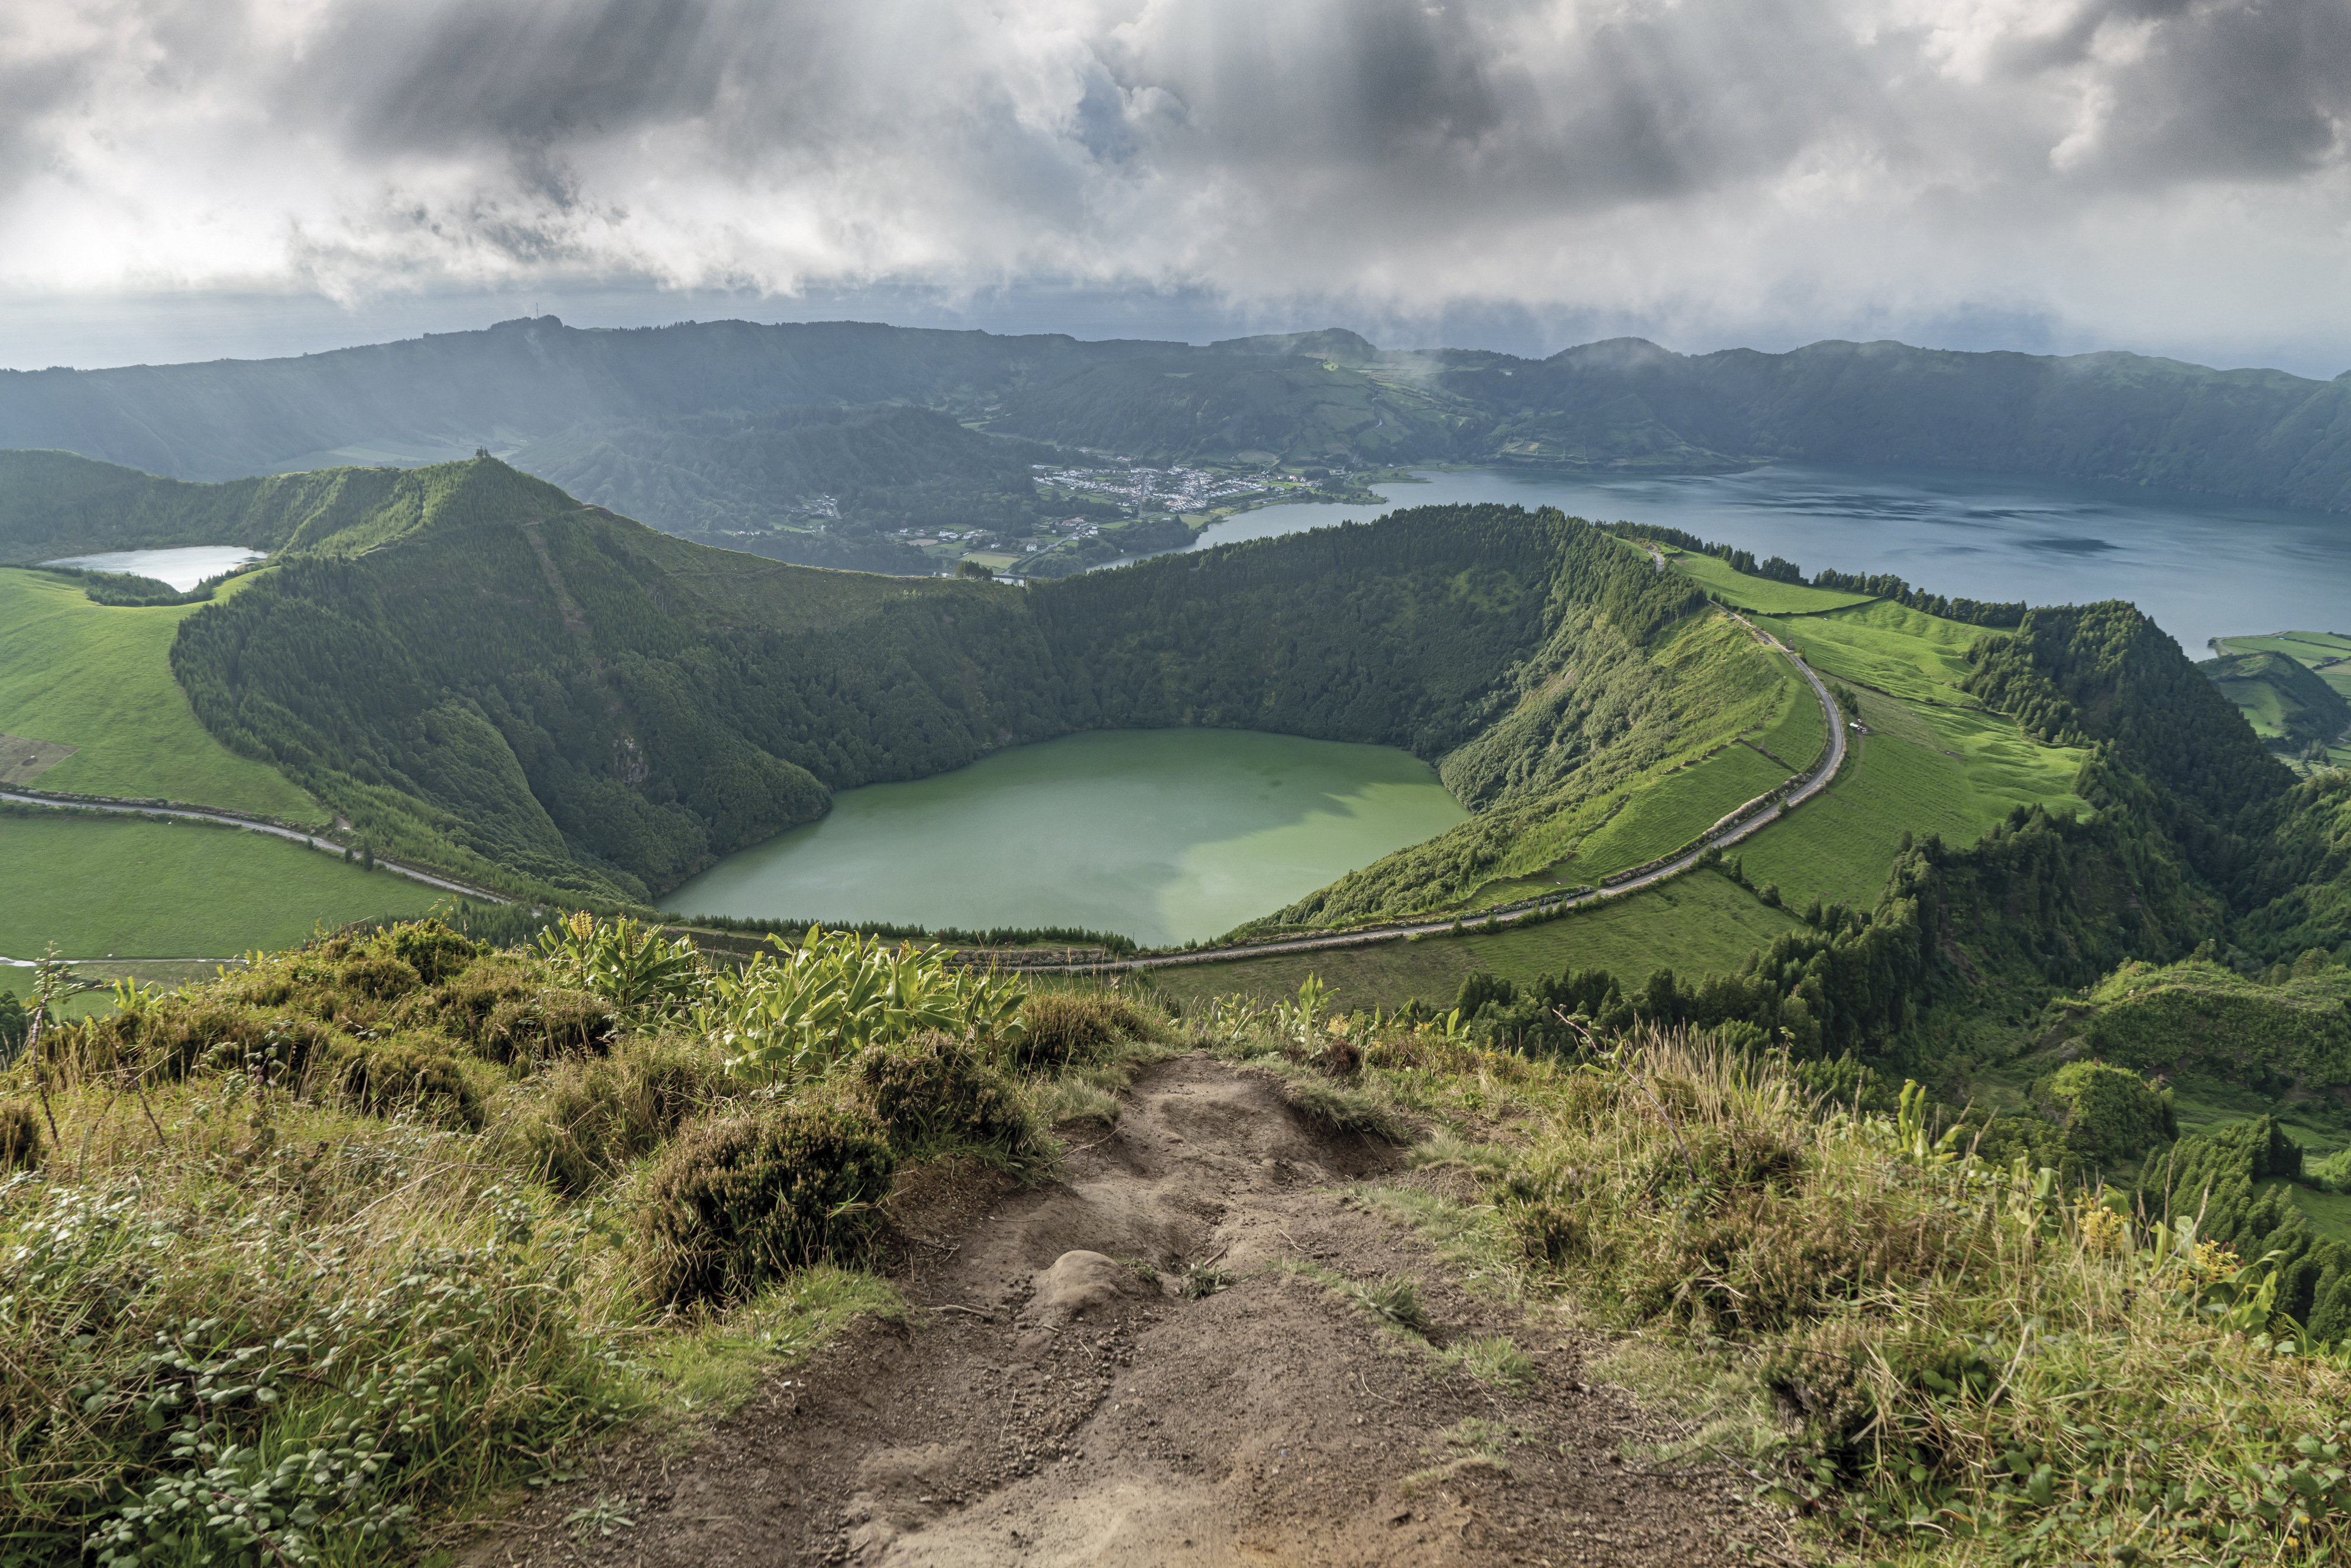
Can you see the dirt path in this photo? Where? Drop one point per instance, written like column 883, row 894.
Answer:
column 1052, row 1403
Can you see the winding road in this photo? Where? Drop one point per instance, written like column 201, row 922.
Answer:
column 1807, row 785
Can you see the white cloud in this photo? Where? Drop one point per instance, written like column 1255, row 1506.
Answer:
column 2132, row 171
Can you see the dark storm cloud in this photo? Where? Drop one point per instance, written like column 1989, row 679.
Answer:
column 1846, row 161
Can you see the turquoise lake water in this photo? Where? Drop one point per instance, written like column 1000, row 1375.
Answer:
column 1161, row 835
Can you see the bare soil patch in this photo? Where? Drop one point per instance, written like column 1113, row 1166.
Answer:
column 1056, row 1397
column 23, row 760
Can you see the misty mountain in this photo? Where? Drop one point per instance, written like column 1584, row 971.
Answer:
column 594, row 407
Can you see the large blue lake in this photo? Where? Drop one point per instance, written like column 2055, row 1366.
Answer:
column 2202, row 567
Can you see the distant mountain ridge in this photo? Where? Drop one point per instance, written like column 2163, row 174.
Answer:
column 1623, row 404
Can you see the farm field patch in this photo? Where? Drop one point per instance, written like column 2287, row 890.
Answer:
column 1701, row 923
column 1757, row 593
column 140, row 889
column 98, row 679
column 1914, row 655
column 1676, row 810
column 1926, row 771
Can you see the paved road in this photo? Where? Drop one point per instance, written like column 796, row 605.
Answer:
column 310, row 840
column 1813, row 783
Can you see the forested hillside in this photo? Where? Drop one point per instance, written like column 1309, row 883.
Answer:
column 2257, row 434
column 526, row 688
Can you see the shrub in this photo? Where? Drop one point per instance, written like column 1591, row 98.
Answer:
column 384, row 1076
column 600, row 1113
column 736, row 1202
column 1064, row 1027
column 167, row 1038
column 20, row 1136
column 933, row 1089
column 2109, row 1114
column 378, row 975
column 546, row 1023
column 432, row 949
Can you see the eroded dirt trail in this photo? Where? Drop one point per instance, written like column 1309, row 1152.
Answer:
column 1054, row 1402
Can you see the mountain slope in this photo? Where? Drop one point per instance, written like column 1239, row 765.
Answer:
column 2259, row 435
column 547, row 691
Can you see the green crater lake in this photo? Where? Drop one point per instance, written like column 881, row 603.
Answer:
column 1163, row 835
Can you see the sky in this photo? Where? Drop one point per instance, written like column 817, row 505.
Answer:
column 193, row 179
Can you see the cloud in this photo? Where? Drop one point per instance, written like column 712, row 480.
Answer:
column 2139, row 169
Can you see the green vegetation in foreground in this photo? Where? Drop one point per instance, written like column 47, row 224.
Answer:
column 396, row 1222
column 98, row 679
column 1694, row 925
column 575, row 1156
column 136, row 888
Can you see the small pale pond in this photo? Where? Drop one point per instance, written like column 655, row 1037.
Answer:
column 1161, row 835
column 184, row 569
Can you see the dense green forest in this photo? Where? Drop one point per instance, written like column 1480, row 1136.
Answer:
column 1623, row 404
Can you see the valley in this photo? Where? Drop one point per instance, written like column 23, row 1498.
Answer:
column 1495, row 869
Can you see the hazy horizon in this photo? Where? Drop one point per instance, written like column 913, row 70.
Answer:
column 2160, row 176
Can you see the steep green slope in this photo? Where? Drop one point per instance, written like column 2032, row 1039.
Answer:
column 519, row 685
column 2291, row 687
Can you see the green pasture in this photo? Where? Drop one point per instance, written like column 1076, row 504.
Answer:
column 1757, row 593
column 140, row 889
column 1945, row 771
column 1800, row 733
column 1908, row 653
column 1675, row 810
column 99, row 679
column 1698, row 924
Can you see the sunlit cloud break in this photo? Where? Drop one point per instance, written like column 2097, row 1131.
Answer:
column 2136, row 170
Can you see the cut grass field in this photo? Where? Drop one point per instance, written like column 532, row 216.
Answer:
column 1699, row 924
column 1914, row 655
column 1920, row 770
column 1758, row 593
column 98, row 679
column 138, row 889
column 1675, row 810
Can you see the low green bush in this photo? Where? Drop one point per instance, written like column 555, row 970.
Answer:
column 597, row 1113
column 934, row 1090
column 735, row 1202
column 20, row 1136
column 384, row 1077
column 432, row 949
column 2110, row 1115
column 1065, row 1026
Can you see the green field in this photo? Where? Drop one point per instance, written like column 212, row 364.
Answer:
column 1923, row 770
column 1701, row 923
column 99, row 679
column 137, row 888
column 1677, row 808
column 1759, row 593
column 1800, row 732
column 1914, row 655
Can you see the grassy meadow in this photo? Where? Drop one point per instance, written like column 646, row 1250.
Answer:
column 1919, row 770
column 1698, row 924
column 1757, row 593
column 98, row 679
column 138, row 889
